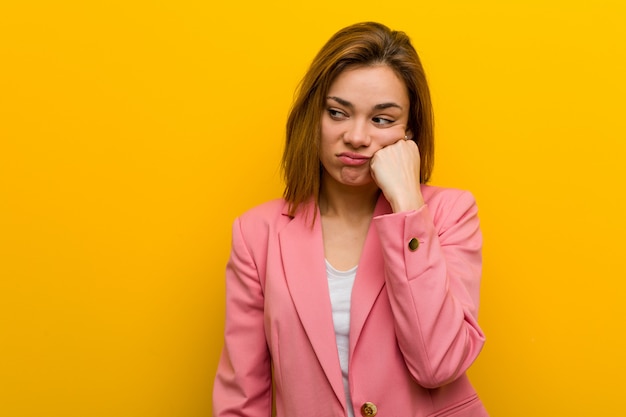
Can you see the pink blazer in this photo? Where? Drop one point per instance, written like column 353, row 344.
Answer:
column 413, row 328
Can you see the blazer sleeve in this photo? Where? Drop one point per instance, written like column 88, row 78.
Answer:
column 434, row 289
column 242, row 385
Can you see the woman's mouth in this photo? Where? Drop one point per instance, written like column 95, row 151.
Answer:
column 353, row 159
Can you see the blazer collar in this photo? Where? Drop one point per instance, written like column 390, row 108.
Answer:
column 370, row 277
column 302, row 250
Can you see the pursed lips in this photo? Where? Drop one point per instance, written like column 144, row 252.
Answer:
column 353, row 159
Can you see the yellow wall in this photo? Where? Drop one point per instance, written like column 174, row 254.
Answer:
column 132, row 133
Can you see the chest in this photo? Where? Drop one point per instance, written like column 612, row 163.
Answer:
column 343, row 242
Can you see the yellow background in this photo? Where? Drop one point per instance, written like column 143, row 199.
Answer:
column 133, row 132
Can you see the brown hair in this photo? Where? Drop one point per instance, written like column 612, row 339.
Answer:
column 361, row 44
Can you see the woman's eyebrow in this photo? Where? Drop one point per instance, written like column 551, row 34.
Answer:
column 380, row 106
column 341, row 101
column 383, row 106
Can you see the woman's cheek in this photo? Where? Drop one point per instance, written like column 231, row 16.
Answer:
column 391, row 136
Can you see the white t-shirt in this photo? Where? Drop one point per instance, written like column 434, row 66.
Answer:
column 340, row 287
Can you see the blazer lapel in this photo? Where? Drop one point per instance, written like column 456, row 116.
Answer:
column 302, row 251
column 370, row 277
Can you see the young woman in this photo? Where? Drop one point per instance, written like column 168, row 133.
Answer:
column 357, row 293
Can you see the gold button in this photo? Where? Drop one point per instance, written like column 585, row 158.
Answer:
column 414, row 244
column 369, row 409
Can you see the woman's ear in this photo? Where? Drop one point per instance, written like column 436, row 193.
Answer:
column 408, row 134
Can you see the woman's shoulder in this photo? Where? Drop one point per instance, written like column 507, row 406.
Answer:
column 270, row 213
column 443, row 200
column 271, row 207
column 433, row 192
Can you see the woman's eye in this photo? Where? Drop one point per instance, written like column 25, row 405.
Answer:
column 381, row 120
column 336, row 114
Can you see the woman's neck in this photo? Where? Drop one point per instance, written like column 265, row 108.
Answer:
column 346, row 213
column 348, row 202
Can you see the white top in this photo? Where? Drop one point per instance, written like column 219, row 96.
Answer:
column 340, row 287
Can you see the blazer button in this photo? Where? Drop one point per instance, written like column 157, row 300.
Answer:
column 369, row 409
column 414, row 244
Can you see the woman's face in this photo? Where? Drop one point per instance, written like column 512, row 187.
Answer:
column 366, row 109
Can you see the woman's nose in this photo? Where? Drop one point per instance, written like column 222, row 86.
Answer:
column 357, row 135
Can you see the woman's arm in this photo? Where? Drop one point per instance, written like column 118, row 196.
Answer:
column 243, row 382
column 433, row 286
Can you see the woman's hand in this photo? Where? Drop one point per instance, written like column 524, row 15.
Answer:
column 396, row 171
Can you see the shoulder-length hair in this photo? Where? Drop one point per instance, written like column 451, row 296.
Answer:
column 362, row 44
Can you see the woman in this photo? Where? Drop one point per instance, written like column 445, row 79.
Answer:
column 356, row 294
